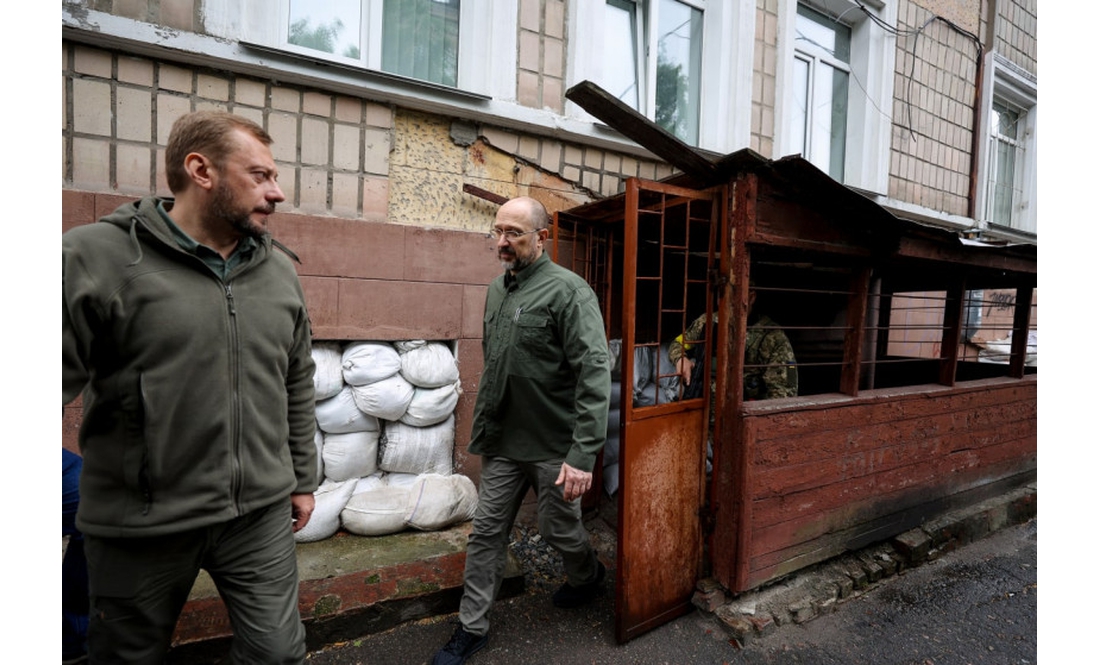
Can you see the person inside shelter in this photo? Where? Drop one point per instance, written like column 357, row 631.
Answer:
column 770, row 369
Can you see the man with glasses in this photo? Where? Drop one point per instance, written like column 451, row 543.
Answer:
column 540, row 419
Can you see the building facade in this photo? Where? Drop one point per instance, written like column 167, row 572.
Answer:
column 384, row 112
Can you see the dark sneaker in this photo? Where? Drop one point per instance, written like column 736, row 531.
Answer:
column 461, row 646
column 569, row 596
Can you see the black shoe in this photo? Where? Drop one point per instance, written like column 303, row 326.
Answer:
column 461, row 646
column 569, row 596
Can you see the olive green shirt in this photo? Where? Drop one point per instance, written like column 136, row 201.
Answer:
column 546, row 384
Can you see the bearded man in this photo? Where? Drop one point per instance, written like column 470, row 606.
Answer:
column 185, row 328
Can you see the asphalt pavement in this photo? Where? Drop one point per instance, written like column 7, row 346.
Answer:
column 976, row 605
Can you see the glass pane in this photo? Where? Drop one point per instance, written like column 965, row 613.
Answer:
column 796, row 122
column 1005, row 121
column 1003, row 179
column 828, row 119
column 838, row 130
column 420, row 39
column 331, row 26
column 679, row 65
column 620, row 61
column 815, row 31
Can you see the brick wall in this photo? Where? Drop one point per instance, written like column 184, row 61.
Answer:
column 934, row 121
column 1016, row 30
column 391, row 247
column 765, row 53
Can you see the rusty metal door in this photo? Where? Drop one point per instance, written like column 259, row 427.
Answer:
column 668, row 256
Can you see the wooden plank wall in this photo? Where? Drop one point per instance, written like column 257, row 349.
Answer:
column 832, row 477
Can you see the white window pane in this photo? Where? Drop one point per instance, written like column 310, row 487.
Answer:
column 679, row 68
column 821, row 116
column 838, row 130
column 799, row 115
column 620, row 62
column 1004, row 176
column 817, row 32
column 331, row 26
column 420, row 39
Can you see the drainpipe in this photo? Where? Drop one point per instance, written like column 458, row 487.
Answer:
column 977, row 138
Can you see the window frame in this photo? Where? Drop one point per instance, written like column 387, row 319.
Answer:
column 1009, row 85
column 475, row 50
column 725, row 98
column 870, row 87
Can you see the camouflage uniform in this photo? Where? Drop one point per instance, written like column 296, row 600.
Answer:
column 770, row 369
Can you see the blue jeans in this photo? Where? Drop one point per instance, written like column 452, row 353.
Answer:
column 74, row 567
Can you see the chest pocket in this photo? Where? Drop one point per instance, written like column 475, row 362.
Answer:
column 535, row 336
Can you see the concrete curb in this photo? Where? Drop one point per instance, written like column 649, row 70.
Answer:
column 818, row 590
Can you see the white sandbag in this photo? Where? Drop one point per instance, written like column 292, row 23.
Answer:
column 404, row 346
column 406, row 480
column 611, row 450
column 429, row 365
column 350, row 455
column 319, row 442
column 668, row 381
column 367, row 362
column 615, row 349
column 407, row 449
column 340, row 414
column 437, row 502
column 377, row 512
column 430, row 406
column 329, row 500
column 371, row 482
column 328, row 378
column 387, row 399
column 611, row 479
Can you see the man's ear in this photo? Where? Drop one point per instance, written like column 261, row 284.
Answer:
column 199, row 168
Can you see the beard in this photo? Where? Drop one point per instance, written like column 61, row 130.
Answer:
column 223, row 207
column 516, row 263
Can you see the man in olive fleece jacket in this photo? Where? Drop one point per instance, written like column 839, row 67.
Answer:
column 540, row 419
column 186, row 331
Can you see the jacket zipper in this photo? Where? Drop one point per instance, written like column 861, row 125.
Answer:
column 235, row 406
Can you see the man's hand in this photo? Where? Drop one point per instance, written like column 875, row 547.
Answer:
column 301, row 507
column 683, row 368
column 576, row 481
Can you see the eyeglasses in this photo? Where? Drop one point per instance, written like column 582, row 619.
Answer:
column 510, row 234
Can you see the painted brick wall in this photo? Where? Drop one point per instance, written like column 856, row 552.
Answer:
column 934, row 121
column 542, row 49
column 391, row 246
column 1016, row 33
column 765, row 52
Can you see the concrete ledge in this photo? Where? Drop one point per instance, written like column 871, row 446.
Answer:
column 349, row 586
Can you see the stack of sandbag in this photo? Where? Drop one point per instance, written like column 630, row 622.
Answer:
column 431, row 502
column 385, row 422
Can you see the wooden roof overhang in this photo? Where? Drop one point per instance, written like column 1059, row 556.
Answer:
column 800, row 207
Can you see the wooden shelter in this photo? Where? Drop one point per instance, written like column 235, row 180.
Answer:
column 901, row 413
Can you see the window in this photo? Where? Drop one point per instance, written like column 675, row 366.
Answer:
column 818, row 120
column 413, row 38
column 836, row 83
column 685, row 64
column 1008, row 161
column 655, row 55
column 448, row 44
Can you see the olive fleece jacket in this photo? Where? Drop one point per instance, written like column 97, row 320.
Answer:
column 546, row 386
column 197, row 392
